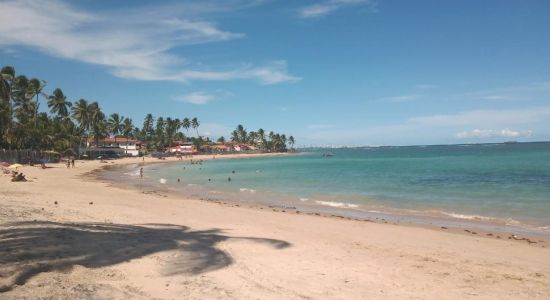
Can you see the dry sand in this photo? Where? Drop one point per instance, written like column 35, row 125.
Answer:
column 105, row 242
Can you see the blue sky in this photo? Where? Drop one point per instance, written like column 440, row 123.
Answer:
column 329, row 72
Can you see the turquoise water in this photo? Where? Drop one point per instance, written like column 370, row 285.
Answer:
column 506, row 183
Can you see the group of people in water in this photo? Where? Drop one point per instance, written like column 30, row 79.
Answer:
column 196, row 162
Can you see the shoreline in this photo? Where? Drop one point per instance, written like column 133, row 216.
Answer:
column 486, row 226
column 121, row 243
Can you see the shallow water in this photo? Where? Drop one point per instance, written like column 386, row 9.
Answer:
column 500, row 184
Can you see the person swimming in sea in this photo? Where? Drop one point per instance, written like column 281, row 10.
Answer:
column 141, row 173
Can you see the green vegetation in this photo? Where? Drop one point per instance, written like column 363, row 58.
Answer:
column 274, row 142
column 70, row 125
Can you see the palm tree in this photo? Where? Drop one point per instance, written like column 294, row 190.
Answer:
column 82, row 115
column 261, row 137
column 34, row 90
column 186, row 124
column 235, row 136
column 241, row 133
column 7, row 76
column 195, row 124
column 115, row 124
column 291, row 141
column 127, row 129
column 251, row 139
column 172, row 127
column 148, row 123
column 159, row 132
column 97, row 122
column 58, row 104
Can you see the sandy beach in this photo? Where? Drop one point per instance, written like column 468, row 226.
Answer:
column 64, row 235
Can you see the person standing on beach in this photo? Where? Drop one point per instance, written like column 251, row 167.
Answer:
column 72, row 161
column 141, row 173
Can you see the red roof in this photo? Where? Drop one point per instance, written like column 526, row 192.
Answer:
column 118, row 140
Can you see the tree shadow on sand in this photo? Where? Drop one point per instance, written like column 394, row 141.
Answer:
column 29, row 248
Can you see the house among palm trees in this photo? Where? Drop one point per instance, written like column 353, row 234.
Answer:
column 130, row 147
column 182, row 147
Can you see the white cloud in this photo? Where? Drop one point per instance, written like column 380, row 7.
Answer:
column 202, row 97
column 320, row 126
column 491, row 133
column 425, row 86
column 196, row 98
column 530, row 91
column 214, row 130
column 327, row 7
column 400, row 98
column 129, row 44
column 440, row 128
column 486, row 118
column 495, row 97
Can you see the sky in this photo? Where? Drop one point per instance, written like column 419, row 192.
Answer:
column 328, row 72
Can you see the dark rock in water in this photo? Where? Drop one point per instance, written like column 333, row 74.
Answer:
column 443, row 227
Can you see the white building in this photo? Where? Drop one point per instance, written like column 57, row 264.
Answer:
column 131, row 147
column 183, row 147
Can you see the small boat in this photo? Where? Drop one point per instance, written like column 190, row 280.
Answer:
column 328, row 154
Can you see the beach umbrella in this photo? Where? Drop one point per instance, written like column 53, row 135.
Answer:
column 15, row 166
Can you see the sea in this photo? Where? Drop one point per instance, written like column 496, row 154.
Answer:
column 501, row 186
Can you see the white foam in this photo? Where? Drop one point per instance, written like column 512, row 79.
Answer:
column 162, row 180
column 512, row 222
column 304, row 199
column 468, row 217
column 336, row 204
column 247, row 190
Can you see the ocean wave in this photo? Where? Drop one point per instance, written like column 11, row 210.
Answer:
column 507, row 221
column 136, row 173
column 304, row 199
column 468, row 217
column 336, row 204
column 244, row 190
column 162, row 180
